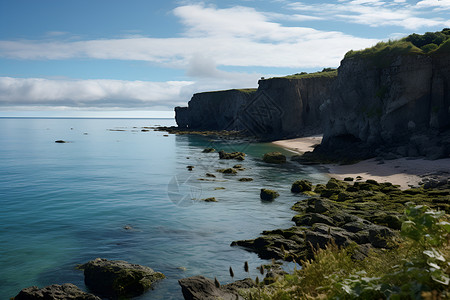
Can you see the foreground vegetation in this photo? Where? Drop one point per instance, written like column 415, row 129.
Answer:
column 416, row 268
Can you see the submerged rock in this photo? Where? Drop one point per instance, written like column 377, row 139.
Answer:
column 246, row 179
column 211, row 199
column 268, row 195
column 227, row 171
column 116, row 278
column 209, row 150
column 233, row 155
column 66, row 291
column 274, row 158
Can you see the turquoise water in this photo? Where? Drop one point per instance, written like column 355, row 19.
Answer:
column 65, row 204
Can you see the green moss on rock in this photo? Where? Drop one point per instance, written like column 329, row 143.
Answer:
column 274, row 158
column 301, row 186
column 268, row 195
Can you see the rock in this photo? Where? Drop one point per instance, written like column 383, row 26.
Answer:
column 290, row 105
column 233, row 155
column 268, row 195
column 245, row 179
column 210, row 175
column 211, row 199
column 348, row 179
column 301, row 186
column 60, row 142
column 274, row 158
column 239, row 167
column 202, row 288
column 66, row 291
column 190, row 168
column 116, row 278
column 209, row 150
column 227, row 171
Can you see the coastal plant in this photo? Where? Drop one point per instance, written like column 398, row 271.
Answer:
column 417, row 267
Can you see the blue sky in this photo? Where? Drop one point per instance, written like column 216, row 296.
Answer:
column 142, row 55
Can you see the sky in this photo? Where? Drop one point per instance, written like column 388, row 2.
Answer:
column 62, row 57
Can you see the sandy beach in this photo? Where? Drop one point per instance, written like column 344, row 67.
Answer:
column 404, row 172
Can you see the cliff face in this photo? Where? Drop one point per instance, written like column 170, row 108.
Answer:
column 280, row 108
column 213, row 110
column 402, row 107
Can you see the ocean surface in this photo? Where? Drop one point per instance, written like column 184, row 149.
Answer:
column 117, row 192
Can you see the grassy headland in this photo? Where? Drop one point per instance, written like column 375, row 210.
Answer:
column 429, row 43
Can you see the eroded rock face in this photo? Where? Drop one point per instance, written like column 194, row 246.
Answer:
column 116, row 278
column 280, row 108
column 66, row 291
column 202, row 288
column 400, row 106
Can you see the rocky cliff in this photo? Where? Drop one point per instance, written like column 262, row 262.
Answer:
column 399, row 106
column 280, row 108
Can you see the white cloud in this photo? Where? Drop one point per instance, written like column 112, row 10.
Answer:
column 89, row 93
column 377, row 13
column 236, row 36
column 438, row 4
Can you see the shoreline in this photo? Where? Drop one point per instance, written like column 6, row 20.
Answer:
column 405, row 172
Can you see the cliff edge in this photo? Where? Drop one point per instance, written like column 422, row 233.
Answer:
column 393, row 103
column 283, row 107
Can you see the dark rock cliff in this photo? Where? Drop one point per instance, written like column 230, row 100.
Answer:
column 279, row 108
column 401, row 107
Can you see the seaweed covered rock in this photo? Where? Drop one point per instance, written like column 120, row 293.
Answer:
column 268, row 195
column 209, row 150
column 116, row 278
column 274, row 158
column 233, row 155
column 210, row 199
column 301, row 186
column 366, row 213
column 227, row 171
column 66, row 291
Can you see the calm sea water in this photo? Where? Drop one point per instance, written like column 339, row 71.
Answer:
column 65, row 204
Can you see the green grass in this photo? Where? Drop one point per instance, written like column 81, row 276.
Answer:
column 383, row 53
column 416, row 268
column 325, row 73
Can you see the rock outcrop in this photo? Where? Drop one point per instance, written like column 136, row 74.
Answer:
column 280, row 108
column 398, row 106
column 366, row 214
column 116, row 278
column 66, row 291
column 202, row 288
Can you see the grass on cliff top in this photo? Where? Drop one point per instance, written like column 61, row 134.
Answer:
column 429, row 43
column 325, row 73
column 246, row 91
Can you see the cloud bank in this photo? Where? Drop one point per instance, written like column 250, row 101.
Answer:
column 211, row 38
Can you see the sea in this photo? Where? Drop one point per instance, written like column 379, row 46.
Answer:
column 117, row 189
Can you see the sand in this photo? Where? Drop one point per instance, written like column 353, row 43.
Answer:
column 300, row 145
column 405, row 172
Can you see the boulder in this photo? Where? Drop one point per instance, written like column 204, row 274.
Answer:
column 274, row 158
column 301, row 186
column 66, row 291
column 233, row 155
column 202, row 288
column 116, row 278
column 268, row 195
